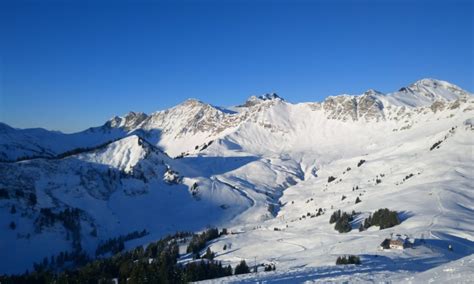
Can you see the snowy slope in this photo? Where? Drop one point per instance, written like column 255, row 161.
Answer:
column 436, row 204
column 253, row 168
column 190, row 126
column 26, row 143
column 118, row 187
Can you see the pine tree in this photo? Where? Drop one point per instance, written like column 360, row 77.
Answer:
column 242, row 268
column 12, row 225
column 368, row 222
column 32, row 199
column 209, row 254
column 343, row 225
column 13, row 209
column 335, row 216
column 4, row 194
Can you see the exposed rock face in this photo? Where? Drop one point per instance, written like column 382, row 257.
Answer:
column 438, row 106
column 376, row 106
column 171, row 177
column 128, row 122
column 255, row 100
column 341, row 107
column 190, row 118
column 171, row 129
column 368, row 107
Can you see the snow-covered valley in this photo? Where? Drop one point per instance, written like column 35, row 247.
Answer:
column 269, row 171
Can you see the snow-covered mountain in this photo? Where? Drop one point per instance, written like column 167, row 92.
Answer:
column 262, row 165
column 192, row 124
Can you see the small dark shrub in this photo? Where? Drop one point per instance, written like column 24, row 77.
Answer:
column 361, row 162
column 351, row 259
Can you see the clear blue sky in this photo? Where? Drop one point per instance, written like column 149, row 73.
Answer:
column 68, row 66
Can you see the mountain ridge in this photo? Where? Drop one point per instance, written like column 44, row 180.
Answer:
column 171, row 128
column 252, row 169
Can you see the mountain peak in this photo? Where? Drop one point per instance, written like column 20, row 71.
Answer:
column 372, row 92
column 254, row 100
column 426, row 91
column 129, row 121
column 132, row 114
column 124, row 153
column 191, row 102
column 431, row 82
column 270, row 96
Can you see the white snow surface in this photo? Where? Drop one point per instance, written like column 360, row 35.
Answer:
column 265, row 154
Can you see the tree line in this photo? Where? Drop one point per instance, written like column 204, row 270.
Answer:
column 157, row 263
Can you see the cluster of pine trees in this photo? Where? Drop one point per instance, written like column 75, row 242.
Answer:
column 30, row 198
column 157, row 263
column 384, row 218
column 70, row 218
column 61, row 261
column 198, row 242
column 201, row 270
column 342, row 220
column 351, row 259
column 116, row 245
column 19, row 194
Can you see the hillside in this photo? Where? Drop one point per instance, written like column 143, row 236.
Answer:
column 268, row 170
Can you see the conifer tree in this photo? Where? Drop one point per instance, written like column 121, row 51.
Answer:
column 242, row 268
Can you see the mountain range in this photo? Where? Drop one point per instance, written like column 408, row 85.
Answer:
column 269, row 170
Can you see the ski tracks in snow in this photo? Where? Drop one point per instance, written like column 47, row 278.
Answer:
column 282, row 240
column 240, row 191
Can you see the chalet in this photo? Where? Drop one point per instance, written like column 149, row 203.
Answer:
column 394, row 244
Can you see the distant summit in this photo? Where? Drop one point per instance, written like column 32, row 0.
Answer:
column 254, row 100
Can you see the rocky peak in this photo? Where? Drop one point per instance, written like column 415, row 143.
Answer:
column 340, row 107
column 192, row 102
column 433, row 83
column 130, row 121
column 270, row 96
column 372, row 92
column 347, row 107
column 254, row 100
column 134, row 115
column 426, row 91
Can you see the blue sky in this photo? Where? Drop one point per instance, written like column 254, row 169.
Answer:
column 66, row 65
